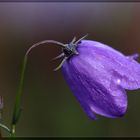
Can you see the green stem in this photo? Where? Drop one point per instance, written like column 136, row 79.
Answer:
column 13, row 131
column 17, row 108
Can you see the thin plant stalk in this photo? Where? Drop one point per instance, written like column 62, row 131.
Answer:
column 17, row 107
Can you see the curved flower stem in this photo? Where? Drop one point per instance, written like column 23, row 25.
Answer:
column 17, row 107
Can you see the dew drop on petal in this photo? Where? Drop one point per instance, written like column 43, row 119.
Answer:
column 118, row 81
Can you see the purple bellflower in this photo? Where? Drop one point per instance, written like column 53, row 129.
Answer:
column 98, row 76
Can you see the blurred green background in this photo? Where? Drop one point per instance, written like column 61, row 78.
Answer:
column 49, row 107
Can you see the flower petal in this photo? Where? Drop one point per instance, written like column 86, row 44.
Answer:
column 93, row 95
column 73, row 81
column 124, row 69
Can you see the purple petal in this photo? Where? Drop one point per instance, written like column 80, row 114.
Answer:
column 124, row 70
column 98, row 77
column 101, row 96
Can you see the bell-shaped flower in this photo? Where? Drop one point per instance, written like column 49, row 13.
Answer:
column 98, row 76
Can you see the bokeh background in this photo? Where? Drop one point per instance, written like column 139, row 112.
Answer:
column 49, row 107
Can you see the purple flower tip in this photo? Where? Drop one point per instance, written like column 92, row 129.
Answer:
column 98, row 76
